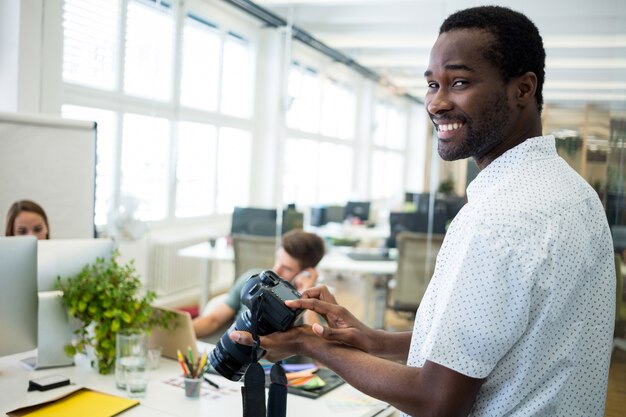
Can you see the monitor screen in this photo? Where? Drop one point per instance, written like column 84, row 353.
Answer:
column 18, row 294
column 415, row 222
column 335, row 214
column 357, row 210
column 253, row 221
column 67, row 257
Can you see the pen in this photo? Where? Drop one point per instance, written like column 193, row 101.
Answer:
column 211, row 383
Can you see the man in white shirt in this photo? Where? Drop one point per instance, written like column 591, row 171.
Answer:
column 518, row 318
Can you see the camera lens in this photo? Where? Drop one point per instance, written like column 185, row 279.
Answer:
column 264, row 293
column 231, row 359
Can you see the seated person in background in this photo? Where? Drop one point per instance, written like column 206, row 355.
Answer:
column 25, row 217
column 296, row 259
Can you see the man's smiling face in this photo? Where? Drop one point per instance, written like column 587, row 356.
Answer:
column 466, row 99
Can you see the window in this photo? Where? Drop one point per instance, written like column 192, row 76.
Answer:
column 338, row 110
column 305, row 91
column 389, row 142
column 169, row 136
column 233, row 185
column 90, row 51
column 321, row 122
column 201, row 63
column 148, row 55
column 105, row 162
column 195, row 190
column 144, row 165
column 237, row 77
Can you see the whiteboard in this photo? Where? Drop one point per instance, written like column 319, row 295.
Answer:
column 51, row 161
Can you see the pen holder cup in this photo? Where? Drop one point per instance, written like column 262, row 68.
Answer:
column 192, row 387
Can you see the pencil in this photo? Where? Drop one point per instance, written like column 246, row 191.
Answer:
column 201, row 364
column 192, row 371
column 190, row 352
column 182, row 363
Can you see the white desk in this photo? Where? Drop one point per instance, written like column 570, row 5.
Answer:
column 218, row 252
column 368, row 236
column 376, row 274
column 166, row 400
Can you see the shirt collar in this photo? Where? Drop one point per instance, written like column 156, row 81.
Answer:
column 540, row 147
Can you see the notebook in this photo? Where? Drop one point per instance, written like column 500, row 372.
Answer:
column 179, row 337
column 79, row 403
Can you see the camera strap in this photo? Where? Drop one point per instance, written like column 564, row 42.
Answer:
column 253, row 390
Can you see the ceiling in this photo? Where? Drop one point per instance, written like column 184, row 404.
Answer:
column 585, row 41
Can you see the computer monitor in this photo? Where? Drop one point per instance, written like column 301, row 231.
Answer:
column 320, row 215
column 67, row 257
column 253, row 221
column 60, row 258
column 18, row 294
column 400, row 222
column 357, row 210
column 292, row 219
column 335, row 214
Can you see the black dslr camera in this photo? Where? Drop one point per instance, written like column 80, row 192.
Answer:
column 264, row 294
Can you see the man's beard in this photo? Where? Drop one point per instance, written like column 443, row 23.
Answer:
column 480, row 138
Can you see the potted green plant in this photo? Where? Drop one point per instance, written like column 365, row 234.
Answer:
column 446, row 187
column 104, row 298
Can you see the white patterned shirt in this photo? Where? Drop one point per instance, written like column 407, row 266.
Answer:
column 523, row 292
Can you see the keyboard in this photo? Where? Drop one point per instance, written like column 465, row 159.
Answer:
column 369, row 256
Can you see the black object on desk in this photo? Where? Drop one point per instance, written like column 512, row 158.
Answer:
column 370, row 256
column 46, row 383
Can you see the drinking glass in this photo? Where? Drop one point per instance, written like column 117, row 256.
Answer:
column 131, row 351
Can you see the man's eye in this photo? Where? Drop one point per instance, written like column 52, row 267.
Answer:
column 459, row 83
column 433, row 85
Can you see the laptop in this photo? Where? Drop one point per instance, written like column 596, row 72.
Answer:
column 180, row 336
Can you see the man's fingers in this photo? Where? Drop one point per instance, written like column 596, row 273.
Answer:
column 316, row 305
column 345, row 336
column 242, row 338
column 321, row 292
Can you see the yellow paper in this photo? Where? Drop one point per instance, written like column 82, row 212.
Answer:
column 84, row 403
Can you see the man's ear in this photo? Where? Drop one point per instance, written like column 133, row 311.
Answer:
column 525, row 88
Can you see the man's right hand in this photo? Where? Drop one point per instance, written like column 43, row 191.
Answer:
column 343, row 326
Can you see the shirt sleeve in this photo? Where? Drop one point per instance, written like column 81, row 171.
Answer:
column 233, row 299
column 482, row 303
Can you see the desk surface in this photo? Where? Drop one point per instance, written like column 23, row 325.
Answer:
column 335, row 260
column 165, row 399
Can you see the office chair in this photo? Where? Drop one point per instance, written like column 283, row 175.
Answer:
column 253, row 252
column 416, row 264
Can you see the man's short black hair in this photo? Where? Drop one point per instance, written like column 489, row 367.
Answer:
column 518, row 47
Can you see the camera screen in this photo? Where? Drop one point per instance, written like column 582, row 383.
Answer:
column 285, row 293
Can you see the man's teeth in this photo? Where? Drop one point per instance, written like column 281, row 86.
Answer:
column 450, row 126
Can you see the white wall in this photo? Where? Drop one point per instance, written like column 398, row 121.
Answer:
column 53, row 162
column 9, row 52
